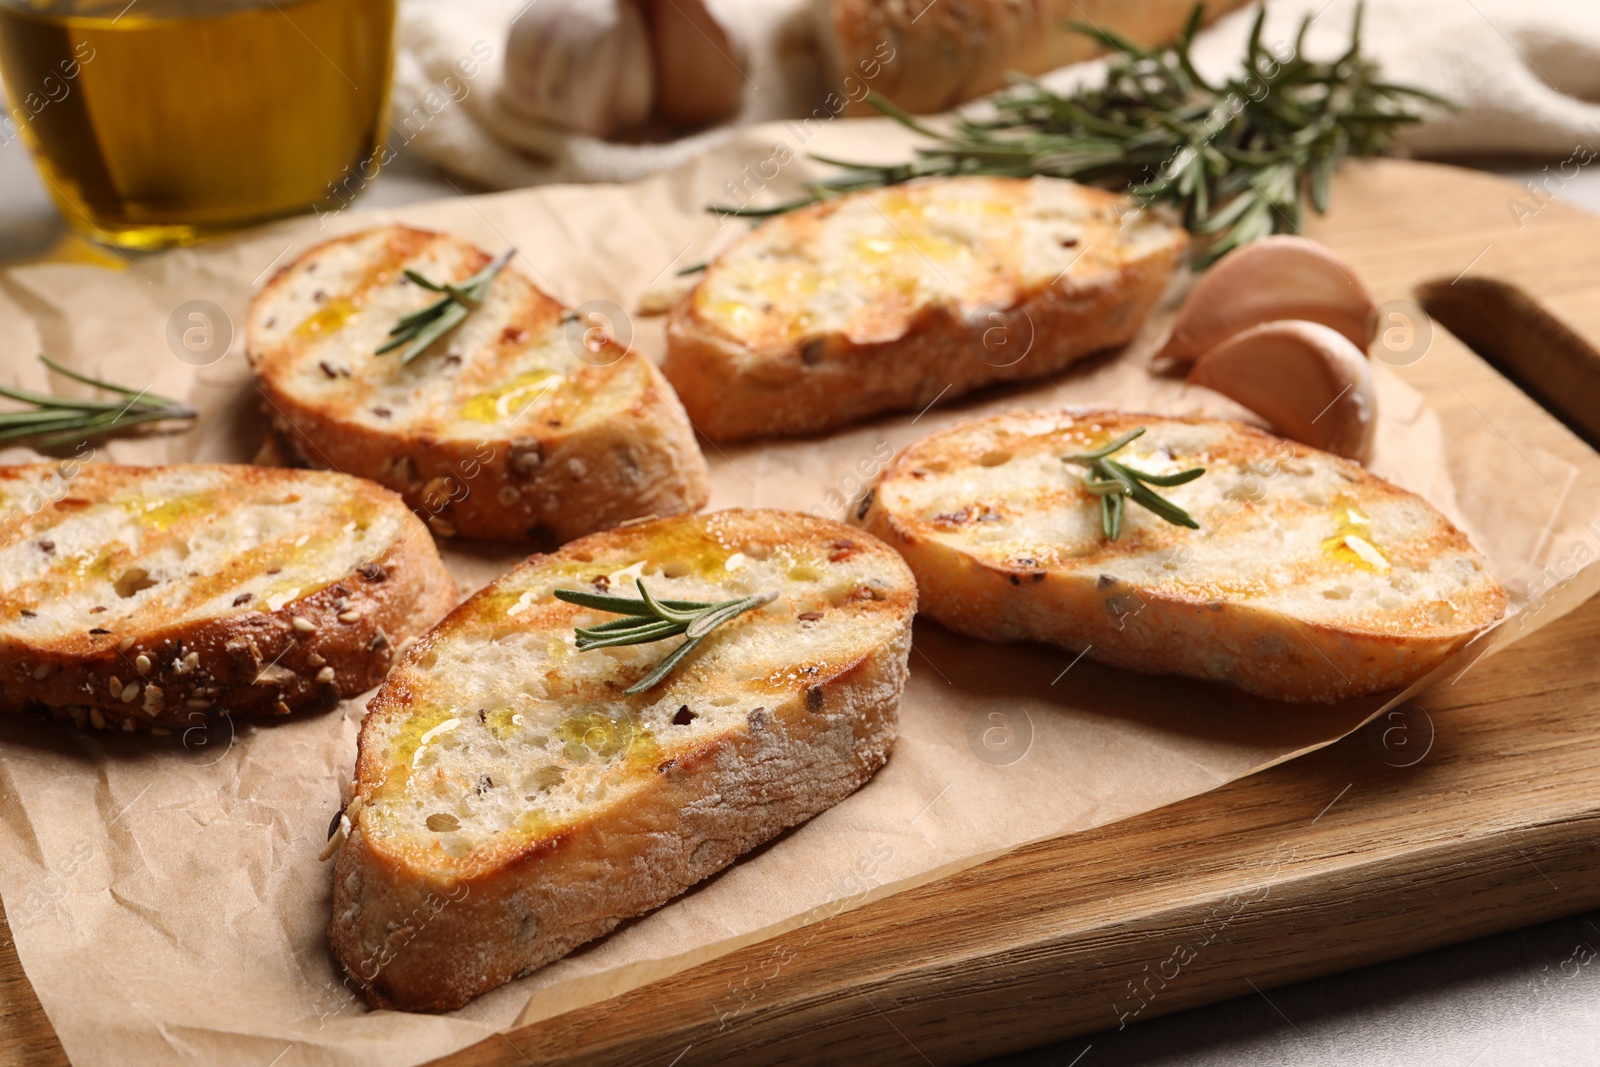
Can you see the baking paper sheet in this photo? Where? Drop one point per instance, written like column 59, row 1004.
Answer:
column 165, row 895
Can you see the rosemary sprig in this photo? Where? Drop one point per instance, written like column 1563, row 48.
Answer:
column 421, row 328
column 1115, row 482
column 646, row 619
column 1237, row 159
column 54, row 421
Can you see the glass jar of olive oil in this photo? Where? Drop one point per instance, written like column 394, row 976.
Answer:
column 157, row 122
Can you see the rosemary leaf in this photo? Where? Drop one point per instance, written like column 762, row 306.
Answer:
column 647, row 619
column 57, row 421
column 416, row 331
column 619, row 605
column 1115, row 483
column 664, row 668
column 1111, row 516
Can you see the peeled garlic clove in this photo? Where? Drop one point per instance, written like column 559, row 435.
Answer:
column 584, row 65
column 1307, row 380
column 700, row 61
column 1269, row 280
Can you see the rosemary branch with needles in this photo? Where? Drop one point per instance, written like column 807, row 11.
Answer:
column 54, row 421
column 646, row 619
column 421, row 328
column 1114, row 482
column 1237, row 159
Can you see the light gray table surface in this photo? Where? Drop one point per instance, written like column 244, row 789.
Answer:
column 1530, row 998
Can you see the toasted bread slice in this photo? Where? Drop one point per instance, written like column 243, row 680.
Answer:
column 521, row 424
column 1309, row 579
column 893, row 299
column 508, row 788
column 147, row 598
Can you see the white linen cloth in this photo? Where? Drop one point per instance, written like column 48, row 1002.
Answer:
column 1525, row 75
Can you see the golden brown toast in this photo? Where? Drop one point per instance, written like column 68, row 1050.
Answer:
column 511, row 792
column 1309, row 579
column 521, row 424
column 896, row 298
column 148, row 598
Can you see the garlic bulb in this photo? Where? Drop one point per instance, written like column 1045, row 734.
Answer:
column 1269, row 280
column 1307, row 380
column 700, row 61
column 581, row 64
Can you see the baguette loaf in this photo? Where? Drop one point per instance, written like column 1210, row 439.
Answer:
column 521, row 424
column 928, row 56
column 1309, row 579
column 147, row 598
column 896, row 298
column 512, row 802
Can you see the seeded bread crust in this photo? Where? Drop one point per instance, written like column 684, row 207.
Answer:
column 164, row 657
column 600, row 439
column 1018, row 313
column 419, row 928
column 1268, row 595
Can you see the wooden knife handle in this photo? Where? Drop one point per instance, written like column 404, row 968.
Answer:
column 1544, row 356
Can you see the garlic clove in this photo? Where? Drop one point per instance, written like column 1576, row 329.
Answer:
column 700, row 61
column 1307, row 380
column 584, row 65
column 1269, row 280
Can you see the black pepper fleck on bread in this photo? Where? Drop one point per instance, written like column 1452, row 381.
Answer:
column 521, row 424
column 1309, row 579
column 511, row 802
column 148, row 598
column 893, row 299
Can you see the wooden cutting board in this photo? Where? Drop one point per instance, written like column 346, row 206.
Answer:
column 1471, row 811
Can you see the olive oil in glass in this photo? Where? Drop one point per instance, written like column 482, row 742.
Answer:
column 157, row 122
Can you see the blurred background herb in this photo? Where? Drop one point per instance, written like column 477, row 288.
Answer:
column 1238, row 160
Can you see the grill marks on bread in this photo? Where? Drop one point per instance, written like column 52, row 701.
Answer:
column 167, row 594
column 522, row 423
column 1309, row 580
column 898, row 297
column 497, row 752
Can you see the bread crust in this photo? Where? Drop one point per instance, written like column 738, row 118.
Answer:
column 544, row 479
column 929, row 57
column 1082, row 602
column 735, row 391
column 413, row 936
column 335, row 642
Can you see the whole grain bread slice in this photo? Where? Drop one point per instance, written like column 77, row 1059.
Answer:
column 151, row 598
column 897, row 298
column 524, row 423
column 511, row 801
column 1309, row 579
